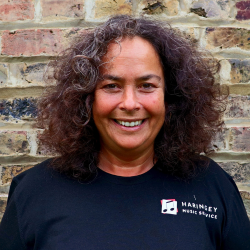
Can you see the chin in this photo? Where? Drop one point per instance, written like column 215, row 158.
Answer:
column 130, row 146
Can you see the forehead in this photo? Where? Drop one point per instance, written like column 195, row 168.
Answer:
column 135, row 48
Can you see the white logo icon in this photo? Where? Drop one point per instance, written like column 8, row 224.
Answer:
column 169, row 206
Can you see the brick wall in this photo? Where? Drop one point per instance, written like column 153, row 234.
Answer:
column 32, row 32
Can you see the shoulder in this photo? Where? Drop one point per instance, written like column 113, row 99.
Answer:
column 216, row 180
column 37, row 180
column 39, row 171
column 210, row 170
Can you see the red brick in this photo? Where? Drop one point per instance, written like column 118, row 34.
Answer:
column 32, row 42
column 14, row 142
column 36, row 42
column 240, row 139
column 243, row 12
column 62, row 8
column 13, row 10
column 228, row 38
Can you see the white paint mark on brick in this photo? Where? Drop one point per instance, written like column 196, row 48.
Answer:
column 32, row 139
column 1, row 172
column 185, row 5
column 38, row 11
column 225, row 70
column 89, row 10
column 203, row 42
column 13, row 81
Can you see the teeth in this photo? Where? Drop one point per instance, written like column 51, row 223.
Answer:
column 130, row 124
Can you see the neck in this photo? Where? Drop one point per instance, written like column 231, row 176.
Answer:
column 126, row 165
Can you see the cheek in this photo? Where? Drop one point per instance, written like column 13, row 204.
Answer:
column 155, row 105
column 103, row 106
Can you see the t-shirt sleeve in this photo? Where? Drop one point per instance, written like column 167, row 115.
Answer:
column 237, row 233
column 10, row 238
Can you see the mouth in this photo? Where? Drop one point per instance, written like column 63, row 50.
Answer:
column 130, row 124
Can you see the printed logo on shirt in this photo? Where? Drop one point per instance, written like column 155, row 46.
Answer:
column 169, row 206
column 199, row 209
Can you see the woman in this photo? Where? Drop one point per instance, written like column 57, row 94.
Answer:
column 134, row 107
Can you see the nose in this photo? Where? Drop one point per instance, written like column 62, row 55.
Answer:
column 129, row 99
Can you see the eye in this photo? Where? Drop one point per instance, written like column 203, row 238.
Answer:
column 110, row 86
column 146, row 87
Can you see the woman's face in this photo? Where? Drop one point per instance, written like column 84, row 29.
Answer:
column 129, row 106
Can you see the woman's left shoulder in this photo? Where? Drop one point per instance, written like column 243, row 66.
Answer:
column 209, row 168
column 211, row 172
column 222, row 188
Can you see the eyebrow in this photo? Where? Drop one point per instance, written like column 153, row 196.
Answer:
column 141, row 78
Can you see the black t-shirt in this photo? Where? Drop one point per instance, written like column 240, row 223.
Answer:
column 46, row 210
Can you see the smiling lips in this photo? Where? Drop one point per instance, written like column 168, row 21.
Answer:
column 129, row 124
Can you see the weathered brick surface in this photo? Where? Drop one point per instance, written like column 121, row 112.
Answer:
column 3, row 74
column 239, row 89
column 11, row 93
column 240, row 138
column 238, row 107
column 41, row 149
column 243, row 10
column 152, row 7
column 245, row 195
column 3, row 203
column 8, row 173
column 32, row 42
column 199, row 11
column 220, row 141
column 240, row 71
column 18, row 109
column 13, row 10
column 36, row 42
column 211, row 8
column 14, row 142
column 4, row 189
column 60, row 9
column 28, row 74
column 247, row 206
column 104, row 8
column 193, row 34
column 227, row 38
column 239, row 172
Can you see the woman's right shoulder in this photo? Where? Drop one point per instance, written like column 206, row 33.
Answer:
column 32, row 180
column 39, row 170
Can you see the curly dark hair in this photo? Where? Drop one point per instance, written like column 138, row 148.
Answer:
column 194, row 100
